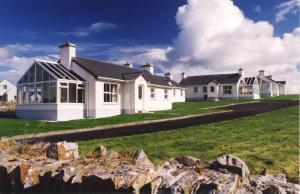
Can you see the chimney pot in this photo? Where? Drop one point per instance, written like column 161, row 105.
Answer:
column 128, row 65
column 261, row 73
column 169, row 75
column 183, row 76
column 241, row 72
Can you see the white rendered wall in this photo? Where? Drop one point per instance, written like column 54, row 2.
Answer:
column 90, row 87
column 50, row 112
column 191, row 95
column 281, row 89
column 159, row 102
column 178, row 97
column 70, row 111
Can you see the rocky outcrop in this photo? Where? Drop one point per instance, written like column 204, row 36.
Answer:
column 58, row 168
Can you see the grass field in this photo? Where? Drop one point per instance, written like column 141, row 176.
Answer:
column 286, row 97
column 269, row 140
column 11, row 127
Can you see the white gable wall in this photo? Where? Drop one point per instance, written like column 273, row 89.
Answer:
column 90, row 89
column 191, row 95
column 7, row 88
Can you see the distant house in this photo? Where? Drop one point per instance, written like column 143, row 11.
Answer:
column 76, row 88
column 268, row 86
column 8, row 91
column 220, row 86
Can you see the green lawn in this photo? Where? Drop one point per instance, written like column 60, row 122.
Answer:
column 269, row 140
column 12, row 127
column 285, row 97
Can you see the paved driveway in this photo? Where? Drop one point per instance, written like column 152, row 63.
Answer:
column 238, row 111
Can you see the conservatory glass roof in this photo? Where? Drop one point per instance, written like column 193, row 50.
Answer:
column 59, row 71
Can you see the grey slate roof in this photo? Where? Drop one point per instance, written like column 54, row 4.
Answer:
column 110, row 70
column 205, row 79
column 281, row 82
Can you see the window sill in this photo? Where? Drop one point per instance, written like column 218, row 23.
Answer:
column 110, row 103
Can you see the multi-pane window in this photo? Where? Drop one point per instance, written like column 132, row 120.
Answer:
column 110, row 93
column 63, row 90
column 166, row 94
column 212, row 89
column 204, row 89
column 195, row 89
column 174, row 92
column 227, row 89
column 152, row 92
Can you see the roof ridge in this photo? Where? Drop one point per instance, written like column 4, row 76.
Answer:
column 213, row 74
column 96, row 60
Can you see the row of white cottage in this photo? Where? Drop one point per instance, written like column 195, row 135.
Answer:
column 77, row 88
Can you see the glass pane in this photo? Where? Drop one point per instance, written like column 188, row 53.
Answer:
column 19, row 94
column 31, row 91
column 106, row 87
column 39, row 73
column 51, row 77
column 72, row 93
column 140, row 92
column 63, row 95
column 32, row 74
column 25, row 94
column 39, row 93
column 46, row 93
column 53, row 93
column 81, row 95
column 45, row 75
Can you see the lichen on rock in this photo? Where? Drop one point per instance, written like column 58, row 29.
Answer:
column 57, row 167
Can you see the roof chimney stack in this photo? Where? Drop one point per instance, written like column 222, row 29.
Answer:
column 128, row 65
column 183, row 76
column 261, row 73
column 148, row 67
column 169, row 75
column 241, row 72
column 67, row 52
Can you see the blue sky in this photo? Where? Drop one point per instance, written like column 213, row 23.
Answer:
column 136, row 21
column 110, row 29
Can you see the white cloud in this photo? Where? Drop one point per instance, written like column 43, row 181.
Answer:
column 215, row 37
column 94, row 28
column 285, row 8
column 13, row 64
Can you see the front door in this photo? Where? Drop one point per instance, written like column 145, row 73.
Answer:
column 140, row 98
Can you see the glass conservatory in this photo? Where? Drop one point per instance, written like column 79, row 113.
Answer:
column 50, row 82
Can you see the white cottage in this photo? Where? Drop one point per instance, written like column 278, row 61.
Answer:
column 8, row 91
column 77, row 88
column 220, row 86
column 268, row 86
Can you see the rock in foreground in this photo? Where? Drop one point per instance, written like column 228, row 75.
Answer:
column 58, row 168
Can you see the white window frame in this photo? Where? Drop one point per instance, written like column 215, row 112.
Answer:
column 152, row 93
column 111, row 92
column 227, row 90
column 196, row 89
column 174, row 92
column 166, row 94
